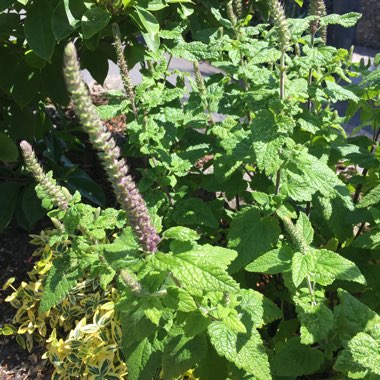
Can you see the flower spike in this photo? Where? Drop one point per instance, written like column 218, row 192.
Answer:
column 56, row 194
column 116, row 168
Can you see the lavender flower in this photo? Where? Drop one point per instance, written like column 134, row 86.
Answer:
column 125, row 189
column 57, row 195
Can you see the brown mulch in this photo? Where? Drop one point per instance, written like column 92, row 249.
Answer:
column 15, row 261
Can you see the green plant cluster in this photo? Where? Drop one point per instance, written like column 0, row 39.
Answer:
column 32, row 37
column 268, row 216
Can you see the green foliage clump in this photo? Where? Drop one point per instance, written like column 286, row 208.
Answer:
column 267, row 214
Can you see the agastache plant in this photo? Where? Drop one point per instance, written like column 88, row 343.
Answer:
column 117, row 169
column 57, row 194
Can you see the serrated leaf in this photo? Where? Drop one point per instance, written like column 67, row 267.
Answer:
column 370, row 199
column 260, row 309
column 251, row 235
column 304, row 226
column 365, row 350
column 62, row 278
column 195, row 211
column 143, row 359
column 181, row 354
column 369, row 240
column 302, row 265
column 267, row 142
column 199, row 271
column 316, row 322
column 347, row 20
column 294, row 359
column 246, row 351
column 272, row 262
column 304, row 175
column 179, row 299
column 181, row 234
column 352, row 316
column 329, row 266
column 339, row 93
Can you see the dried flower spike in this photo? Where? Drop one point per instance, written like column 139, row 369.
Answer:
column 57, row 194
column 125, row 189
column 280, row 22
column 123, row 66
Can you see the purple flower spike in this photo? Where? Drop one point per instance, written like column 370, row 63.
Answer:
column 125, row 188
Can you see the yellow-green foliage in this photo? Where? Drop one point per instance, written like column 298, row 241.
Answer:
column 81, row 334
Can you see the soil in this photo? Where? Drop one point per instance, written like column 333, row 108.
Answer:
column 15, row 261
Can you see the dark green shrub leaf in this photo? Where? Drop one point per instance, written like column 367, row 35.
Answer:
column 93, row 21
column 38, row 31
column 8, row 149
column 8, row 200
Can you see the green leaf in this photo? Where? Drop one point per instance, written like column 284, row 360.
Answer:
column 143, row 359
column 88, row 188
column 260, row 309
column 316, row 322
column 31, row 206
column 267, row 142
column 304, row 174
column 352, row 316
column 246, row 351
column 179, row 299
column 347, row 20
column 365, row 350
column 8, row 150
column 25, row 85
column 8, row 200
column 5, row 4
column 181, row 234
column 38, row 31
column 369, row 240
column 251, row 235
column 338, row 93
column 370, row 199
column 272, row 262
column 60, row 23
column 93, row 21
column 305, row 228
column 302, row 265
column 146, row 20
column 62, row 278
column 294, row 359
column 181, row 354
column 329, row 266
column 200, row 270
column 194, row 211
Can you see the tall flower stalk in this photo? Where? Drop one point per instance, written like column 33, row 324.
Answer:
column 116, row 168
column 123, row 66
column 282, row 29
column 59, row 196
